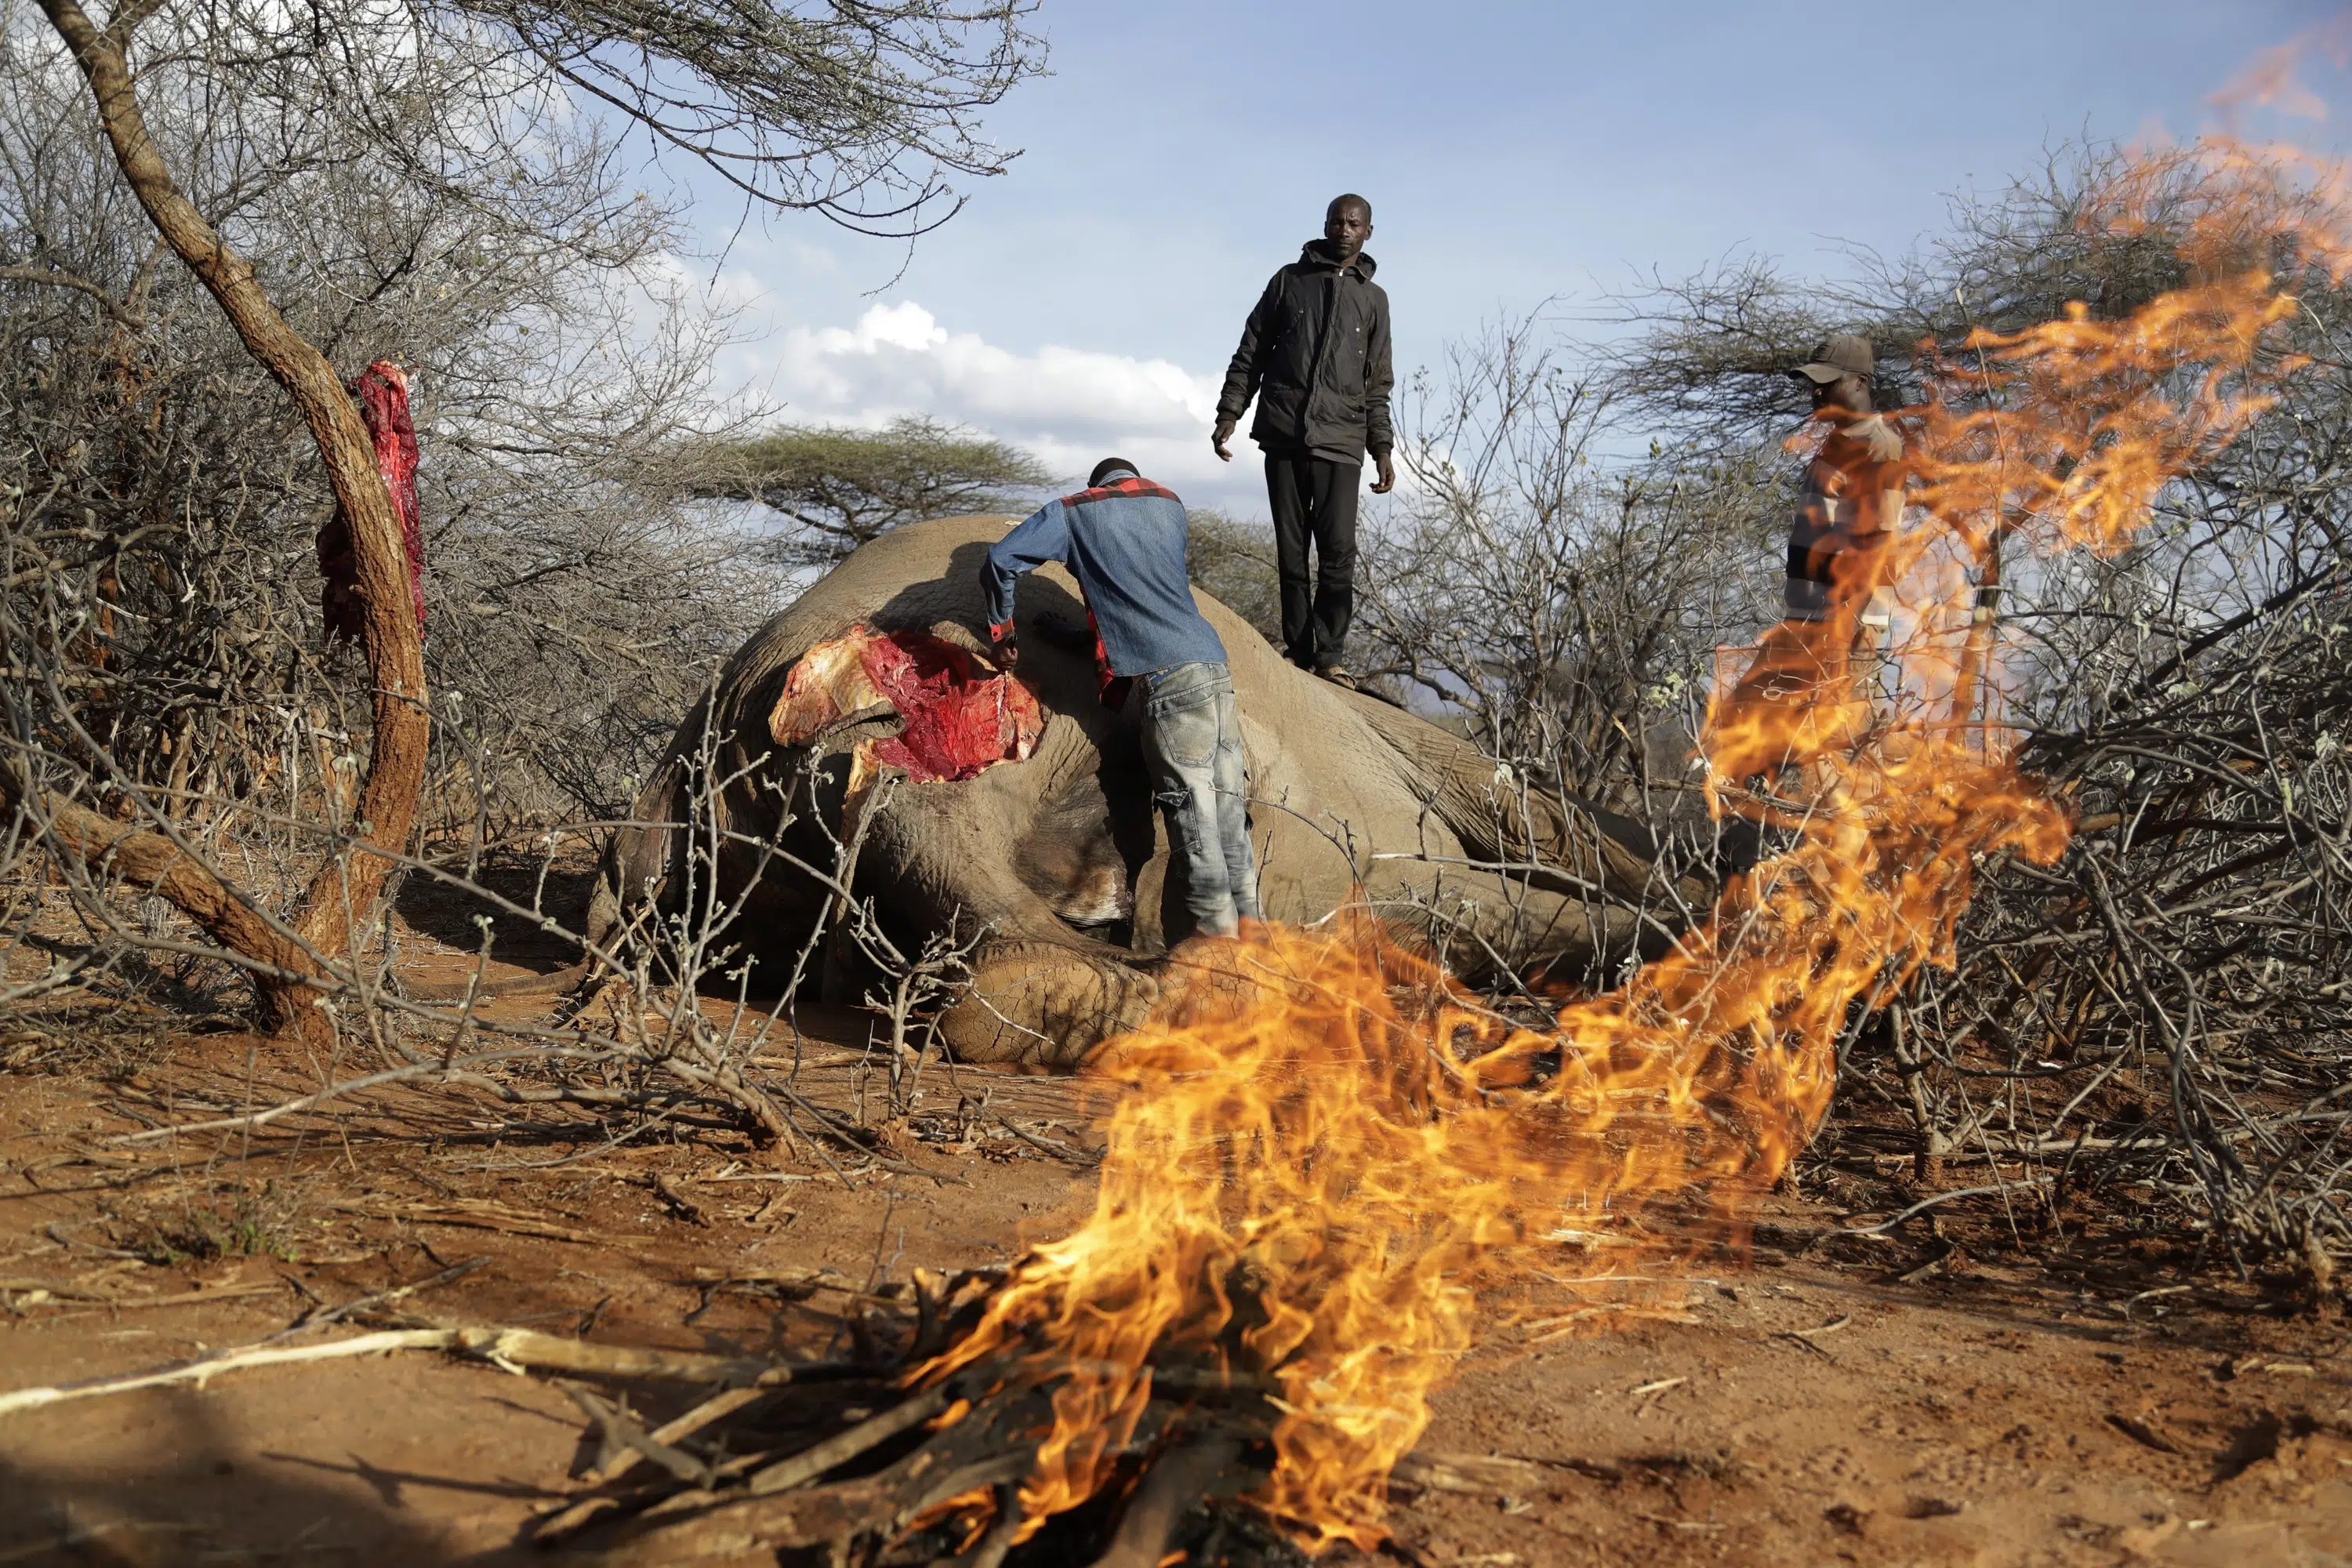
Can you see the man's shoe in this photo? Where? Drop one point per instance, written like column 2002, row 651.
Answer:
column 1336, row 675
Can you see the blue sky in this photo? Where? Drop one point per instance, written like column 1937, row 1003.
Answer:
column 1514, row 153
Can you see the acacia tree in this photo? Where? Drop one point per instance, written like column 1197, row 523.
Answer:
column 572, row 607
column 843, row 487
column 2156, row 1026
column 863, row 113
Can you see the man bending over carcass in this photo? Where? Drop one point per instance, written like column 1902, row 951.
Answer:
column 1123, row 538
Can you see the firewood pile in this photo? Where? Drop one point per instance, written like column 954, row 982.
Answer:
column 877, row 1460
column 1322, row 1152
column 2152, row 1035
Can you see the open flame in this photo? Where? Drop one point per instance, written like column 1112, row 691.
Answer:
column 1325, row 1149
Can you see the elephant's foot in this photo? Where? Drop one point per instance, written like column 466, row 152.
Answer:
column 1041, row 1006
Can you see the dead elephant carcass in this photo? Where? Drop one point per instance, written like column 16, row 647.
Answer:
column 1023, row 807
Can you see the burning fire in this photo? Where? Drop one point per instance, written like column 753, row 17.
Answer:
column 1325, row 1149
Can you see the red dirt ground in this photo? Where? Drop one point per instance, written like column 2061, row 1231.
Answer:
column 1812, row 1408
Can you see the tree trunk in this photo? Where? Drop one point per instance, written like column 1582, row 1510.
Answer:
column 343, row 889
column 1976, row 654
column 156, row 863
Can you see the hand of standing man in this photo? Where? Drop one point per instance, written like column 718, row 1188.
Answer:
column 1314, row 357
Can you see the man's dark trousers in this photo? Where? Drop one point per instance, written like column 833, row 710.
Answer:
column 1314, row 498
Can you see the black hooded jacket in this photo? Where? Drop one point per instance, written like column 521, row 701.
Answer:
column 1314, row 354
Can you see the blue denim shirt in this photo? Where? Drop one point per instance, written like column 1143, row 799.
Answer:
column 1124, row 541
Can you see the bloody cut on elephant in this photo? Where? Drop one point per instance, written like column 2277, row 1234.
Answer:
column 1021, row 808
column 957, row 717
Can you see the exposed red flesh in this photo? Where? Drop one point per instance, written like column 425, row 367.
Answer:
column 957, row 717
column 382, row 391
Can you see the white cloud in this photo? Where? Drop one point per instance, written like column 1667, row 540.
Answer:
column 1070, row 407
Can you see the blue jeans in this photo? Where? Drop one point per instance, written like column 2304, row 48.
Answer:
column 1193, row 742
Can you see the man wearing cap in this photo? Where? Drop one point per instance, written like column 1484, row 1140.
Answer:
column 1852, row 500
column 1848, row 507
column 1314, row 355
column 1124, row 540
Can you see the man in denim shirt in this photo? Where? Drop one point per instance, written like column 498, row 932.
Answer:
column 1123, row 539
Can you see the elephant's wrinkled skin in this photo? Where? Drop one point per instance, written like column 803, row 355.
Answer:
column 1051, row 853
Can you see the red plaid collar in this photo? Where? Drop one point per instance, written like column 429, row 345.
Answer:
column 1130, row 485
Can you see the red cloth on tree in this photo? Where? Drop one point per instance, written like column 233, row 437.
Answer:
column 381, row 391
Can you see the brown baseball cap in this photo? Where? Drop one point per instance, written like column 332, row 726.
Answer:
column 1840, row 353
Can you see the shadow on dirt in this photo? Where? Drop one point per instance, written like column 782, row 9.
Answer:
column 449, row 915
column 187, row 1501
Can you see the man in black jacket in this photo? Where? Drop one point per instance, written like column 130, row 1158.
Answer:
column 1314, row 354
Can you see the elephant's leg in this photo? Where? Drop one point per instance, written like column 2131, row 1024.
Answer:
column 941, row 857
column 1044, row 1006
